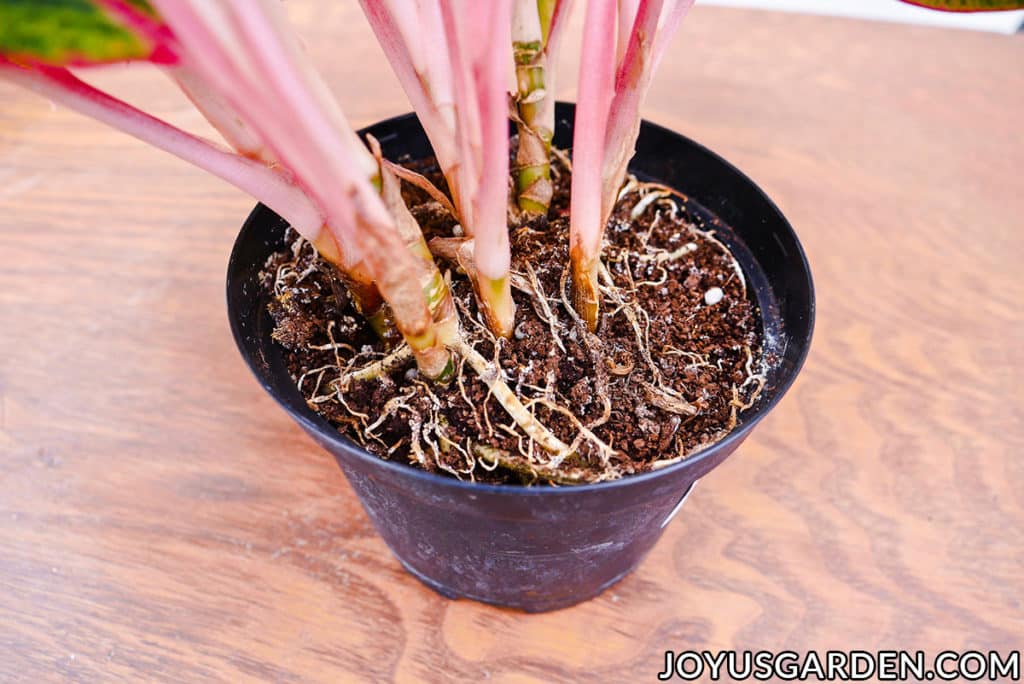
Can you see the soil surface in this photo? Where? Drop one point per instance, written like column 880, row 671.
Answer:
column 675, row 361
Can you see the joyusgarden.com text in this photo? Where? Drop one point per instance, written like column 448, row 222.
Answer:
column 841, row 666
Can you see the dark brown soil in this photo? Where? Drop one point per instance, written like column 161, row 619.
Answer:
column 707, row 352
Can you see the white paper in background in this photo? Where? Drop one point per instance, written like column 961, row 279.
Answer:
column 889, row 10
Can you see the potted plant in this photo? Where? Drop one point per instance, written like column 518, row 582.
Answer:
column 558, row 346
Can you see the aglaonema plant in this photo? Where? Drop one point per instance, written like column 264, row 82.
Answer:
column 467, row 66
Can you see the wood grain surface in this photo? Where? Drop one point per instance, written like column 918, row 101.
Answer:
column 161, row 519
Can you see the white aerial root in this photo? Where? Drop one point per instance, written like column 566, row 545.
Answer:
column 555, row 473
column 315, row 396
column 657, row 393
column 583, row 435
column 286, row 276
column 392, row 405
column 631, row 185
column 657, row 192
column 760, row 379
column 434, row 428
column 735, row 408
column 283, row 271
column 661, row 255
column 632, row 313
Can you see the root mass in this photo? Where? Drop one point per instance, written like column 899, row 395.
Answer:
column 666, row 373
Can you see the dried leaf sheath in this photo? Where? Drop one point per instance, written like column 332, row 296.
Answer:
column 435, row 289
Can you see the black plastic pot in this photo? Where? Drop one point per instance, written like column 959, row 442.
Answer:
column 542, row 548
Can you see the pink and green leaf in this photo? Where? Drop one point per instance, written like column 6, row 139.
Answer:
column 78, row 32
column 969, row 5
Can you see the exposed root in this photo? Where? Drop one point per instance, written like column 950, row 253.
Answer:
column 378, row 368
column 695, row 359
column 530, row 471
column 658, row 393
column 554, row 408
column 491, row 376
column 661, row 187
column 596, row 350
column 618, row 369
column 709, row 235
column 399, row 403
column 662, row 255
column 633, row 314
column 736, row 405
column 604, row 451
column 666, row 462
column 543, row 309
column 669, row 400
column 562, row 158
column 647, row 200
column 631, row 185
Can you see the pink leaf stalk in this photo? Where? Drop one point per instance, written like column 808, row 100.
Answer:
column 655, row 23
column 247, row 74
column 413, row 38
column 272, row 188
column 611, row 88
column 223, row 56
column 626, row 11
column 595, row 92
column 479, row 68
column 212, row 105
column 292, row 110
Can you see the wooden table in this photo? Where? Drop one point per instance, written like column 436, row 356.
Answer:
column 161, row 519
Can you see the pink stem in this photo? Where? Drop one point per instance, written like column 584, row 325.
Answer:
column 220, row 114
column 595, row 92
column 678, row 9
column 652, row 31
column 317, row 146
column 559, row 20
column 479, row 70
column 61, row 86
column 422, row 88
column 212, row 48
column 627, row 16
